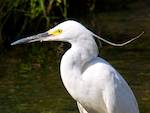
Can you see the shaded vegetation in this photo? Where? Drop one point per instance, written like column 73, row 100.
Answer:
column 21, row 17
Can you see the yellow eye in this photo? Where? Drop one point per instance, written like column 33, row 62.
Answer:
column 59, row 31
column 55, row 32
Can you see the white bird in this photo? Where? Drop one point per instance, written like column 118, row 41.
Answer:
column 90, row 80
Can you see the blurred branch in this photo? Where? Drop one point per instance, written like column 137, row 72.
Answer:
column 49, row 7
column 65, row 9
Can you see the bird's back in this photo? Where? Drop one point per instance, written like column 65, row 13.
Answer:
column 106, row 90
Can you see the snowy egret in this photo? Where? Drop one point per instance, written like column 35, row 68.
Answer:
column 90, row 80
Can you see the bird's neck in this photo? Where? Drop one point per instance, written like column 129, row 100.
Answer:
column 73, row 62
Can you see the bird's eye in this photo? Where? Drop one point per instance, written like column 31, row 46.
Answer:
column 55, row 32
column 59, row 30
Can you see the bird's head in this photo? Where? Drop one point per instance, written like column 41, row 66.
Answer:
column 68, row 31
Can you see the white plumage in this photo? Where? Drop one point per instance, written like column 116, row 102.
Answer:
column 90, row 80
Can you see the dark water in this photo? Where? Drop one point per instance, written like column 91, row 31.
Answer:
column 32, row 85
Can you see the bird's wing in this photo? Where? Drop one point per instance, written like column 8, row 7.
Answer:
column 117, row 96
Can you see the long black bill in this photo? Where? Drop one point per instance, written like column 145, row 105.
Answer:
column 34, row 38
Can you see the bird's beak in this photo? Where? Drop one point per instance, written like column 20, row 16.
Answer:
column 39, row 37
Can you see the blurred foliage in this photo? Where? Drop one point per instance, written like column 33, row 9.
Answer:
column 20, row 16
column 28, row 17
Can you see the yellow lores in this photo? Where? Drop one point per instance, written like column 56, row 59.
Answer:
column 55, row 33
